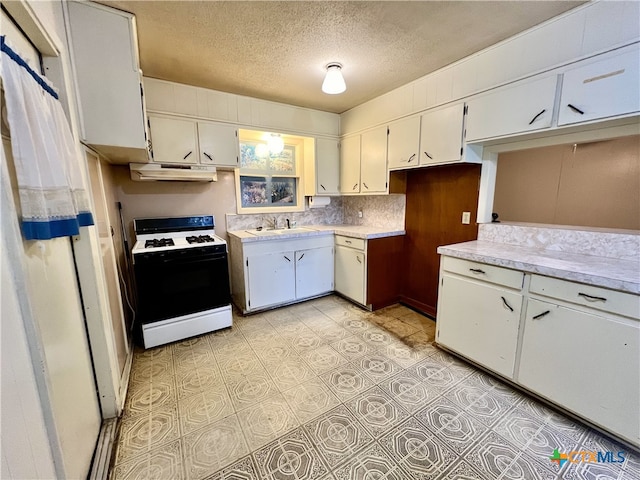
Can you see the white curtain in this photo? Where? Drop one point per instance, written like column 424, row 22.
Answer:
column 47, row 160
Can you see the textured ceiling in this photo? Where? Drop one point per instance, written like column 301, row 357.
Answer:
column 278, row 50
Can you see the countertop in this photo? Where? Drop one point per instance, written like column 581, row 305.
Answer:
column 354, row 231
column 613, row 273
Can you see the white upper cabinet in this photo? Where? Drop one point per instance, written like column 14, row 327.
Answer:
column 104, row 52
column 521, row 107
column 441, row 135
column 218, row 144
column 327, row 163
column 350, row 165
column 404, row 143
column 174, row 140
column 373, row 161
column 607, row 88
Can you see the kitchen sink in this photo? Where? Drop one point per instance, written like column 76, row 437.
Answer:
column 278, row 231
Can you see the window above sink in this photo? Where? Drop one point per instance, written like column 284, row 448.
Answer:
column 270, row 176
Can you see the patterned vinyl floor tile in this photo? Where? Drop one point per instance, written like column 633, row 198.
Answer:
column 324, row 390
column 214, row 447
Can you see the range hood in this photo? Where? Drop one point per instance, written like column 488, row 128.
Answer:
column 143, row 172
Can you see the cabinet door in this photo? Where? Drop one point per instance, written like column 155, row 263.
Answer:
column 271, row 279
column 404, row 143
column 373, row 161
column 441, row 135
column 314, row 272
column 350, row 271
column 479, row 321
column 218, row 144
column 518, row 108
column 107, row 72
column 350, row 165
column 327, row 167
column 602, row 89
column 579, row 360
column 174, row 140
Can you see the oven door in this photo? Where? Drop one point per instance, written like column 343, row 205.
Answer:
column 180, row 282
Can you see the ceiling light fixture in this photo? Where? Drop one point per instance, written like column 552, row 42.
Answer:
column 333, row 81
column 276, row 144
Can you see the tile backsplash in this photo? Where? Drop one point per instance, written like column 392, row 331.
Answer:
column 331, row 214
column 624, row 244
column 385, row 211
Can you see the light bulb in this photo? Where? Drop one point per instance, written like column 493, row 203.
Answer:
column 333, row 81
column 276, row 144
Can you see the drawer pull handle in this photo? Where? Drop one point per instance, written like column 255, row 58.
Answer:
column 536, row 117
column 286, row 258
column 208, row 156
column 540, row 315
column 504, row 301
column 575, row 109
column 430, row 157
column 185, row 157
column 411, row 158
column 477, row 270
column 591, row 298
column 348, row 241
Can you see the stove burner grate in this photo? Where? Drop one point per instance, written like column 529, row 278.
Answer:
column 159, row 242
column 200, row 239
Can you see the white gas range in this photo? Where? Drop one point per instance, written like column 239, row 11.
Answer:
column 182, row 279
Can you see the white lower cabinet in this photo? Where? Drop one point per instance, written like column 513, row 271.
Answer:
column 584, row 361
column 480, row 321
column 275, row 272
column 314, row 272
column 575, row 345
column 351, row 273
column 271, row 278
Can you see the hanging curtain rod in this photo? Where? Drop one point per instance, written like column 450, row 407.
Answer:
column 18, row 59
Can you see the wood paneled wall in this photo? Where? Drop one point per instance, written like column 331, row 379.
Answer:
column 436, row 198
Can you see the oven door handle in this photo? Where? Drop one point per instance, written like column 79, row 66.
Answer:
column 184, row 261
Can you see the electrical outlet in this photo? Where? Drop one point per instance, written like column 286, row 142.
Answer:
column 466, row 218
column 359, row 213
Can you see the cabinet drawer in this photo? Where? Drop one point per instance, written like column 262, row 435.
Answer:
column 603, row 299
column 357, row 243
column 484, row 272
